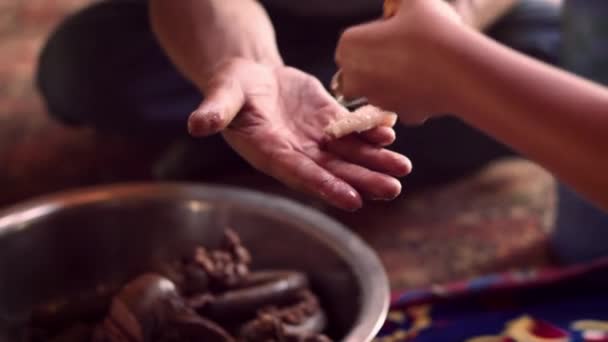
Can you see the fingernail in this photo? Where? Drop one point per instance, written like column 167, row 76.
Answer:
column 403, row 166
column 349, row 200
column 204, row 123
column 391, row 193
column 354, row 202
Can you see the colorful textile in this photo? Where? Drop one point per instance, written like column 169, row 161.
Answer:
column 569, row 305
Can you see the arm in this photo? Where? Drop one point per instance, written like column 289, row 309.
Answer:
column 270, row 114
column 200, row 36
column 435, row 64
column 479, row 14
column 556, row 118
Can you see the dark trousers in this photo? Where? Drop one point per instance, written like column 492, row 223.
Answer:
column 103, row 67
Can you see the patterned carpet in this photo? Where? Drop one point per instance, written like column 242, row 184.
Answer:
column 495, row 220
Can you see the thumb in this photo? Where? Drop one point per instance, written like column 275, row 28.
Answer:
column 223, row 101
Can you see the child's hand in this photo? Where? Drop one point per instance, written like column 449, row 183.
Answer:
column 403, row 63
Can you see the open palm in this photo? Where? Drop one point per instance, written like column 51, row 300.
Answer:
column 279, row 129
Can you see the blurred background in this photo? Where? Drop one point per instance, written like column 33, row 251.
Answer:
column 494, row 220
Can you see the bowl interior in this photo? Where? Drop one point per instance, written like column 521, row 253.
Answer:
column 71, row 243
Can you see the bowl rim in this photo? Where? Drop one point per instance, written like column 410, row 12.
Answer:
column 369, row 271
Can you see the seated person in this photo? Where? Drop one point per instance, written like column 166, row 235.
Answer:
column 135, row 66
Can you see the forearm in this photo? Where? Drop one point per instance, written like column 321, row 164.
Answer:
column 555, row 118
column 199, row 35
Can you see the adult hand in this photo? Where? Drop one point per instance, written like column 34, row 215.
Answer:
column 402, row 63
column 279, row 129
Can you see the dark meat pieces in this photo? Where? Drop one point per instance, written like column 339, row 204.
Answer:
column 210, row 296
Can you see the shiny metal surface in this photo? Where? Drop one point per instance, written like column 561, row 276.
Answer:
column 70, row 242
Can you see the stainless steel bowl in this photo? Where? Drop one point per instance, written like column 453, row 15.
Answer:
column 70, row 242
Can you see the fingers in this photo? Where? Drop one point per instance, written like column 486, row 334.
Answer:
column 302, row 173
column 374, row 158
column 373, row 185
column 223, row 101
column 379, row 136
column 367, row 56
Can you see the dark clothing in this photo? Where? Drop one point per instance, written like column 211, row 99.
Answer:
column 103, row 67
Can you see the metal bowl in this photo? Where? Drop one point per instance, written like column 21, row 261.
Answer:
column 70, row 242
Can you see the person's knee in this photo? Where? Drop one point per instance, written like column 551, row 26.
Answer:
column 74, row 74
column 60, row 76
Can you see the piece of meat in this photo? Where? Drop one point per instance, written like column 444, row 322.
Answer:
column 361, row 120
column 262, row 289
column 210, row 295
